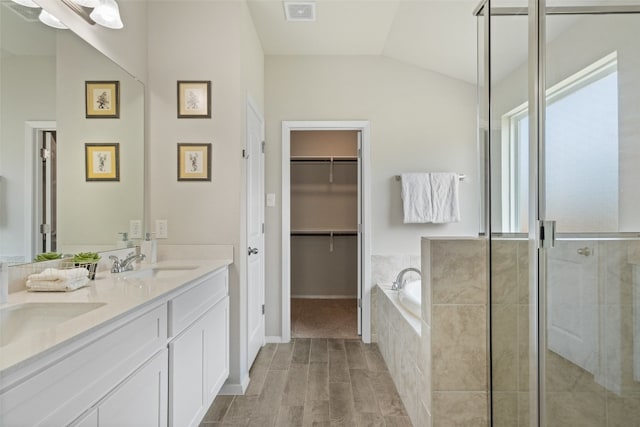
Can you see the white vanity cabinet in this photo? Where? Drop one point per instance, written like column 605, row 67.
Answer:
column 141, row 399
column 100, row 371
column 198, row 348
column 158, row 362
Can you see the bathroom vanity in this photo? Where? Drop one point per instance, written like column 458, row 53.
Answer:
column 144, row 348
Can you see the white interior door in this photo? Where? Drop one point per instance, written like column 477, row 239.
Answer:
column 572, row 307
column 255, row 232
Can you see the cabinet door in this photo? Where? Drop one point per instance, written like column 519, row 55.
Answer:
column 141, row 400
column 216, row 356
column 186, row 376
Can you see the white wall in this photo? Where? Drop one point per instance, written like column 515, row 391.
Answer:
column 92, row 213
column 420, row 121
column 210, row 41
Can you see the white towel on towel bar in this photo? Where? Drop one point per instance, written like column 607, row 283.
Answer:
column 444, row 197
column 416, row 198
column 430, row 197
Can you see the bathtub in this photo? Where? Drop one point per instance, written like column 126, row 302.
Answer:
column 410, row 297
column 409, row 316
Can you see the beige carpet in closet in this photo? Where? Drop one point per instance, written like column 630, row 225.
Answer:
column 324, row 318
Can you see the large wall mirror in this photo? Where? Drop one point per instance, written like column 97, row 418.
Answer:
column 48, row 199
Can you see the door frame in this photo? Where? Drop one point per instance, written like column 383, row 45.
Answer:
column 365, row 188
column 32, row 179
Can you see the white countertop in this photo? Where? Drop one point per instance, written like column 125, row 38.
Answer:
column 121, row 294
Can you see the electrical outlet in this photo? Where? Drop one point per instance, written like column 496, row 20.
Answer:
column 135, row 229
column 162, row 229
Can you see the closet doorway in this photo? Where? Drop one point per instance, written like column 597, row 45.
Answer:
column 325, row 230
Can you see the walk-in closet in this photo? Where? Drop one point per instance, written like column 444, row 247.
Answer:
column 324, row 235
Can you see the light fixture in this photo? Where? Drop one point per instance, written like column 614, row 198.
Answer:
column 107, row 14
column 27, row 3
column 50, row 20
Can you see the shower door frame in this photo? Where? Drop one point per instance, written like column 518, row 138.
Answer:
column 541, row 234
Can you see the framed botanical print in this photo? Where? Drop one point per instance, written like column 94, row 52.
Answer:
column 102, row 161
column 194, row 99
column 194, row 162
column 102, row 99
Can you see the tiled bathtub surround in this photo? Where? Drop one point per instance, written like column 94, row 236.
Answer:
column 384, row 269
column 443, row 378
column 399, row 345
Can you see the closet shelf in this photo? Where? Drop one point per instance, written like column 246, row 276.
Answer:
column 323, row 159
column 341, row 232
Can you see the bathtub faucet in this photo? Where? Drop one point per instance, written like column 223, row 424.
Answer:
column 400, row 280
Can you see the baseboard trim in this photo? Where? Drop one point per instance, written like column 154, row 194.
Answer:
column 324, row 296
column 235, row 389
column 272, row 339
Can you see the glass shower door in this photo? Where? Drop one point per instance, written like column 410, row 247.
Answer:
column 589, row 168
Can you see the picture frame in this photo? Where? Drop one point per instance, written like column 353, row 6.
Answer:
column 194, row 99
column 194, row 162
column 102, row 161
column 102, row 99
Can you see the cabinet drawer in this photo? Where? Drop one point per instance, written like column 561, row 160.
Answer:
column 187, row 307
column 68, row 386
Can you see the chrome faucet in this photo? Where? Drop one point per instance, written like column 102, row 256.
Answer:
column 400, row 281
column 126, row 264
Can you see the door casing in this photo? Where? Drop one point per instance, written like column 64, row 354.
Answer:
column 365, row 227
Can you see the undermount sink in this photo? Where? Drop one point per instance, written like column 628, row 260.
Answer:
column 23, row 319
column 162, row 272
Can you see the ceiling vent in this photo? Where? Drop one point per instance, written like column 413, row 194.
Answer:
column 29, row 14
column 300, row 11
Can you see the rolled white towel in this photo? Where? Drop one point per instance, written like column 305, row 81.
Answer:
column 57, row 285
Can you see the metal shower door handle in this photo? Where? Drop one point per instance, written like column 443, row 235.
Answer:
column 586, row 251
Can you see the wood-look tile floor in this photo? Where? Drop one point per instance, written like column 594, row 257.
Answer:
column 314, row 382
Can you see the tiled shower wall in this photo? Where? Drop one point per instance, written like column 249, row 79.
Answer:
column 454, row 330
column 575, row 396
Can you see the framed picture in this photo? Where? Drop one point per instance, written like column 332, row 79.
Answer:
column 194, row 99
column 194, row 162
column 102, row 162
column 102, row 99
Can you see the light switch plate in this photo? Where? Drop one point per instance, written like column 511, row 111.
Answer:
column 162, row 229
column 271, row 200
column 135, row 229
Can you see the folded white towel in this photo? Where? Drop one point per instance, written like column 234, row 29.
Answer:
column 444, row 197
column 57, row 285
column 416, row 198
column 53, row 279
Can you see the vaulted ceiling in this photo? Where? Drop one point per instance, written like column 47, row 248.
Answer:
column 438, row 35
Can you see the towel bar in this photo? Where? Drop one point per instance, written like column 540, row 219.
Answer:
column 460, row 177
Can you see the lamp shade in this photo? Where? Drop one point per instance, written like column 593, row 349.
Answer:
column 87, row 3
column 50, row 20
column 107, row 14
column 27, row 3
